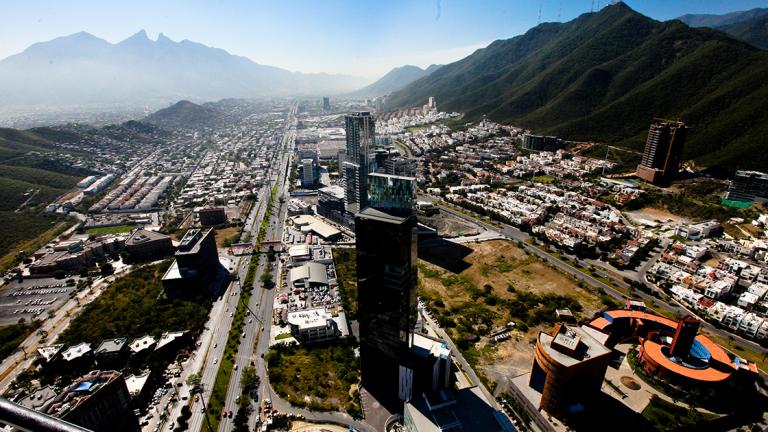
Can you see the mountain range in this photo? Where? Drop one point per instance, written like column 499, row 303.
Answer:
column 749, row 26
column 715, row 21
column 605, row 76
column 84, row 70
column 394, row 80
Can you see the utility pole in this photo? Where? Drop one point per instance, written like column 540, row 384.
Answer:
column 199, row 391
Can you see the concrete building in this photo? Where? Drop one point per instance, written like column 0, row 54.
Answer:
column 98, row 401
column 212, row 216
column 330, row 205
column 310, row 173
column 312, row 325
column 569, row 365
column 663, row 152
column 196, row 263
column 465, row 410
column 110, row 348
column 386, row 273
column 146, row 245
column 749, row 186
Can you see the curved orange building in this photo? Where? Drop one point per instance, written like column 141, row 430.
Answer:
column 670, row 349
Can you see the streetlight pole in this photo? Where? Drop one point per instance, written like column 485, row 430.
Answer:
column 199, row 391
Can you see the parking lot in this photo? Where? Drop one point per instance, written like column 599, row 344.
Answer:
column 32, row 298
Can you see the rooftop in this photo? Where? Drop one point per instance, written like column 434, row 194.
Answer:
column 142, row 236
column 167, row 338
column 111, row 346
column 142, row 343
column 310, row 318
column 467, row 410
column 76, row 351
column 49, row 351
column 571, row 345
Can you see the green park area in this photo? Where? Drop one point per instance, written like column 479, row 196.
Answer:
column 319, row 377
column 117, row 229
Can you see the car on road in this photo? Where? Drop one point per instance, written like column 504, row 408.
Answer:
column 215, row 345
column 215, row 361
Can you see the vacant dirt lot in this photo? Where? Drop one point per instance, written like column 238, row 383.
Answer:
column 226, row 233
column 499, row 263
column 477, row 287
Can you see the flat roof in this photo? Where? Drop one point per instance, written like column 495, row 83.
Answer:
column 76, row 351
column 167, row 338
column 136, row 382
column 310, row 318
column 142, row 343
column 49, row 351
column 470, row 412
column 584, row 346
column 111, row 345
column 143, row 236
column 372, row 213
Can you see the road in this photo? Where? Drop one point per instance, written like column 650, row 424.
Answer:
column 513, row 233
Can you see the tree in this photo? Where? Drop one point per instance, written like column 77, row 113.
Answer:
column 193, row 380
column 106, row 269
column 248, row 378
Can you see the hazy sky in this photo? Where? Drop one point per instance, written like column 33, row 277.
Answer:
column 365, row 38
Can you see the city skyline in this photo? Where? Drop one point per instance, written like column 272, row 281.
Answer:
column 361, row 41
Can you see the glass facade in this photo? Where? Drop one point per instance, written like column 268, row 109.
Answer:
column 392, row 193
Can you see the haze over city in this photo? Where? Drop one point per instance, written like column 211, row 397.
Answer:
column 364, row 39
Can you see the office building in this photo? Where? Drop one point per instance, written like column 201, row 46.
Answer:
column 98, row 401
column 312, row 325
column 568, row 369
column 146, row 245
column 351, row 186
column 360, row 134
column 400, row 166
column 310, row 173
column 330, row 205
column 196, row 263
column 326, row 103
column 663, row 152
column 386, row 273
column 465, row 410
column 212, row 216
column 392, row 194
column 542, row 143
column 750, row 186
column 673, row 350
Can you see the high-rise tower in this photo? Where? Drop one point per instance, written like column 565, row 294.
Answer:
column 663, row 152
column 386, row 292
column 361, row 132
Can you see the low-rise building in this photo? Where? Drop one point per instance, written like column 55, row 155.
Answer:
column 312, row 325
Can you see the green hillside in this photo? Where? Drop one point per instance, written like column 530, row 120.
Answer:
column 29, row 177
column 604, row 76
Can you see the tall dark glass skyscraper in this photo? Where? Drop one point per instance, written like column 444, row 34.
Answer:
column 361, row 133
column 386, row 273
